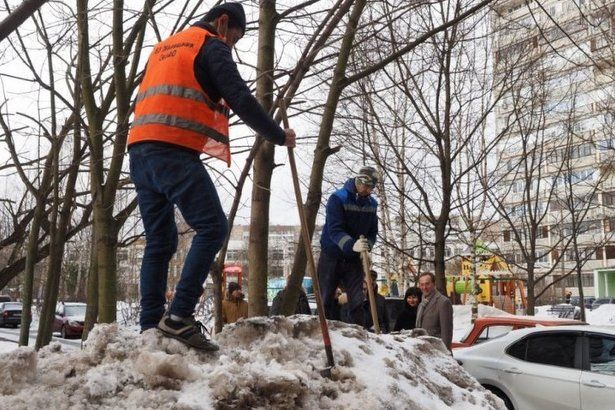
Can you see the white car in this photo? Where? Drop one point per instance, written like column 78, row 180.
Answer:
column 556, row 367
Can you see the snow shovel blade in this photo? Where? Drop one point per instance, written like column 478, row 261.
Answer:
column 326, row 372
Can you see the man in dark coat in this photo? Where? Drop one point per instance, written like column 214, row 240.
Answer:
column 435, row 313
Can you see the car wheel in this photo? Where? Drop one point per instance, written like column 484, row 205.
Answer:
column 63, row 333
column 502, row 396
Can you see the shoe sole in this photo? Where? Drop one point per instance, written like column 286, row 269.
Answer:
column 186, row 342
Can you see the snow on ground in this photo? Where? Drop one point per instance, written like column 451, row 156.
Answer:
column 462, row 318
column 545, row 311
column 6, row 346
column 602, row 315
column 263, row 363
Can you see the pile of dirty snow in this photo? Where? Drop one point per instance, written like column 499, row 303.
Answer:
column 263, row 362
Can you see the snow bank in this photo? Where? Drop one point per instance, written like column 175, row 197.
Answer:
column 546, row 311
column 263, row 362
column 6, row 346
column 602, row 315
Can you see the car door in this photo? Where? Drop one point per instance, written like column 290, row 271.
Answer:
column 542, row 371
column 598, row 375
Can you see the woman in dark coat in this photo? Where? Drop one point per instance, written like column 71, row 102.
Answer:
column 407, row 317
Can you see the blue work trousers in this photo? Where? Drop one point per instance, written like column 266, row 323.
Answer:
column 334, row 270
column 166, row 176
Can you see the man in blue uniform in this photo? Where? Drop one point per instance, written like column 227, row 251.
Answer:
column 350, row 213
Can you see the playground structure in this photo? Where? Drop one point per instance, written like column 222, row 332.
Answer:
column 496, row 285
column 231, row 273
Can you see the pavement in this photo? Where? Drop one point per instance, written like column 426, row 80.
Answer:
column 12, row 335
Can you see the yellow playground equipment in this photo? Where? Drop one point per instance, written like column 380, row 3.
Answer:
column 498, row 286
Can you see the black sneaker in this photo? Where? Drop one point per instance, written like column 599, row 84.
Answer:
column 188, row 331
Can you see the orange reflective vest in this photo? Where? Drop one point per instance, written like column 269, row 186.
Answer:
column 171, row 105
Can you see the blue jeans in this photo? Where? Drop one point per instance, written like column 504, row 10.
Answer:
column 166, row 176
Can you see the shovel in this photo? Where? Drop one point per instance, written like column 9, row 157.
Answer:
column 310, row 256
column 370, row 288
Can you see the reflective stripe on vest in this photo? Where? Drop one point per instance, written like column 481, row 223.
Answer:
column 182, row 92
column 179, row 122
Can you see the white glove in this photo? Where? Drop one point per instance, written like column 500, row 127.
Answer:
column 361, row 245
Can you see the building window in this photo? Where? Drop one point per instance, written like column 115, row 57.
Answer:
column 506, row 236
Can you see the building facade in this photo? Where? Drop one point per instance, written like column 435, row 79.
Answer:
column 555, row 187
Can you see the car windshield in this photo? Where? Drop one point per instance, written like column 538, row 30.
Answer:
column 74, row 310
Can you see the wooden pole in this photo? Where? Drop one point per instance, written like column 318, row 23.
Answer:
column 370, row 289
column 308, row 252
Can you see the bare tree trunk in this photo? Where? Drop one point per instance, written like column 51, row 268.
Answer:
column 60, row 224
column 91, row 312
column 531, row 293
column 263, row 165
column 26, row 9
column 33, row 254
column 32, row 250
column 77, row 291
column 53, row 274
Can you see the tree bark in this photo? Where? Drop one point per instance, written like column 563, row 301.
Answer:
column 91, row 311
column 263, row 165
column 26, row 9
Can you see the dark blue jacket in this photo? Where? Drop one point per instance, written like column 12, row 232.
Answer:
column 348, row 216
column 217, row 74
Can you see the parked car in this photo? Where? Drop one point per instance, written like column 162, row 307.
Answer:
column 574, row 301
column 558, row 367
column 10, row 314
column 69, row 319
column 602, row 301
column 5, row 298
column 488, row 328
column 589, row 301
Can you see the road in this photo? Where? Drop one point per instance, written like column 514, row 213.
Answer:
column 12, row 335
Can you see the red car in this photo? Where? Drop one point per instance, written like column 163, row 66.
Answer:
column 487, row 328
column 69, row 319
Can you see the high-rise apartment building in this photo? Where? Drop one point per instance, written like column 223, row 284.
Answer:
column 554, row 64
